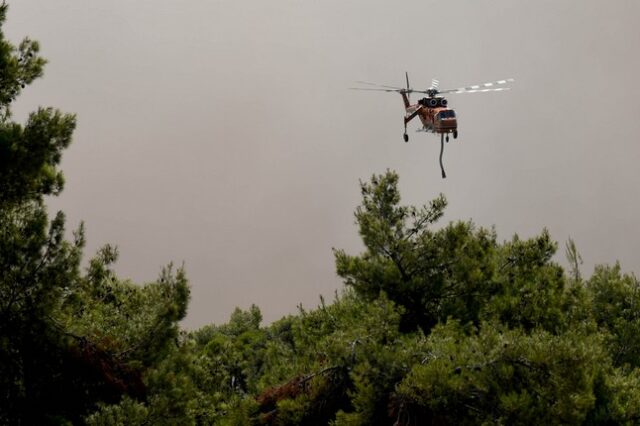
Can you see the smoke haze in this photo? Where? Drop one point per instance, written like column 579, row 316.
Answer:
column 221, row 134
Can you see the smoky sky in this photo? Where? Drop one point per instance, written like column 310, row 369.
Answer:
column 221, row 134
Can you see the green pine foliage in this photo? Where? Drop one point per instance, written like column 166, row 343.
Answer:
column 438, row 323
column 70, row 340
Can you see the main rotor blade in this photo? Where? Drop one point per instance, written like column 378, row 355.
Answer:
column 499, row 89
column 479, row 87
column 378, row 90
column 379, row 85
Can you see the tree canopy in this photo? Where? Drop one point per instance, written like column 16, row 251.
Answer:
column 69, row 339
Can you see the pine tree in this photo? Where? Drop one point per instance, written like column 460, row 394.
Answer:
column 68, row 340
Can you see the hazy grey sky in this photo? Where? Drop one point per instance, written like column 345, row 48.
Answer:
column 220, row 133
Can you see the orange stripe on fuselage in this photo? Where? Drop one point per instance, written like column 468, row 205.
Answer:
column 405, row 99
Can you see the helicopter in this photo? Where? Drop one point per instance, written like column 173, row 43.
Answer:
column 433, row 110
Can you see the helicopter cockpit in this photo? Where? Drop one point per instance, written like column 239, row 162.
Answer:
column 447, row 113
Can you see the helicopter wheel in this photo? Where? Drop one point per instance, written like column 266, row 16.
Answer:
column 447, row 138
column 406, row 137
column 455, row 134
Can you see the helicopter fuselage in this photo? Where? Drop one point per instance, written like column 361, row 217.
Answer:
column 434, row 114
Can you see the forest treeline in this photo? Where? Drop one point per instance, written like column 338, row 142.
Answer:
column 437, row 324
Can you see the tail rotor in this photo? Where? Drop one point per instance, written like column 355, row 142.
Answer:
column 406, row 74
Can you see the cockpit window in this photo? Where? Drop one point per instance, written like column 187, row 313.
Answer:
column 448, row 113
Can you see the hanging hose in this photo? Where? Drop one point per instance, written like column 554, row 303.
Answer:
column 444, row 175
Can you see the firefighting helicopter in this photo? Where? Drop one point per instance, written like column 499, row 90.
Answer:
column 434, row 114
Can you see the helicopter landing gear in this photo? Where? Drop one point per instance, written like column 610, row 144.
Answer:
column 447, row 138
column 455, row 134
column 406, row 137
